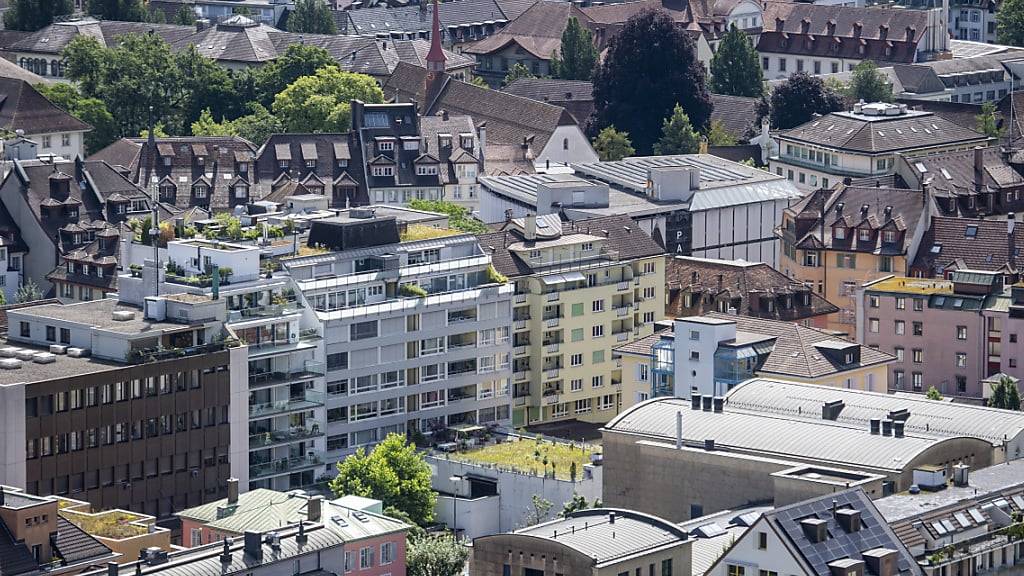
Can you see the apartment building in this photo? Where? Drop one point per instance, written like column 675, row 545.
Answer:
column 282, row 403
column 863, row 143
column 836, row 240
column 415, row 328
column 120, row 406
column 970, row 183
column 582, row 288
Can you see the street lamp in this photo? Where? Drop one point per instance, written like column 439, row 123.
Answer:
column 455, row 478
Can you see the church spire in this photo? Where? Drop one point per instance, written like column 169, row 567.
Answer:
column 435, row 58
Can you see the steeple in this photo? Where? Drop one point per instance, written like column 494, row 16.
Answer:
column 435, row 58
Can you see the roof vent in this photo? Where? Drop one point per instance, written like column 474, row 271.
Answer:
column 25, row 354
column 961, row 474
column 123, row 315
column 44, row 358
column 58, row 349
column 10, row 364
column 9, row 352
column 849, row 519
column 75, row 352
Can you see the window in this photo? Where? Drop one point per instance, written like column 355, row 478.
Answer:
column 898, row 379
column 917, row 379
column 349, row 560
column 577, row 334
column 901, row 303
column 597, row 357
column 782, row 64
column 762, row 540
column 810, row 259
column 51, row 333
column 961, row 360
column 901, row 327
column 65, row 140
column 577, row 309
column 873, row 325
column 582, row 406
column 364, row 330
column 873, row 300
column 387, row 553
column 764, row 63
column 961, row 384
column 196, row 537
column 918, row 304
column 47, row 141
column 961, row 332
column 576, row 384
column 25, row 329
column 576, row 360
column 918, row 329
column 918, row 355
column 597, row 331
column 597, row 306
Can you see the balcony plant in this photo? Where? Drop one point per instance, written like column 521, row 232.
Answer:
column 136, row 270
column 413, row 291
column 494, row 276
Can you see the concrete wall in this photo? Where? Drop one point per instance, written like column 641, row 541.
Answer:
column 474, row 517
column 567, row 145
column 12, row 431
column 238, row 415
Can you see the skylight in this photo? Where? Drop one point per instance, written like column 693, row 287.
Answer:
column 921, row 167
column 936, row 248
column 945, row 173
column 971, row 231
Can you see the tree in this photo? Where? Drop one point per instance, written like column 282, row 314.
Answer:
column 297, row 61
column 610, row 144
column 31, row 15
column 574, row 504
column 311, row 17
column 84, row 58
column 987, row 123
column 1005, row 394
column 90, row 110
column 458, row 217
column 478, row 81
column 123, row 10
column 321, row 102
column 415, row 531
column 1012, row 396
column 577, row 54
column 650, row 67
column 1010, row 23
column 395, row 473
column 204, row 86
column 538, row 509
column 256, row 127
column 868, row 84
column 736, row 66
column 28, row 292
column 435, row 555
column 516, row 72
column 185, row 16
column 933, row 394
column 677, row 135
column 798, row 99
column 718, row 136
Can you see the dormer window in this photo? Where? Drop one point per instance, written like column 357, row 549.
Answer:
column 467, row 142
column 342, row 163
column 426, row 170
column 243, row 167
column 119, row 208
column 70, row 267
column 386, row 145
column 199, row 190
column 864, row 235
column 167, row 191
column 282, row 164
column 311, row 163
column 241, row 191
column 444, row 141
column 383, row 170
column 72, row 212
column 76, row 238
column 167, row 160
column 200, row 160
column 848, row 358
column 889, row 236
column 839, row 233
column 139, row 206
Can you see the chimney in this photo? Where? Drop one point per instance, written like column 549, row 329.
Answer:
column 881, row 561
column 253, row 545
column 112, row 569
column 225, row 554
column 830, row 27
column 857, row 28
column 709, row 444
column 898, row 429
column 883, row 31
column 849, row 519
column 1011, row 223
column 961, row 474
column 886, row 427
column 695, row 401
column 611, row 517
column 910, row 32
column 814, row 529
column 979, row 165
column 530, row 227
column 780, row 23
column 444, row 115
column 805, row 26
column 718, row 403
column 876, row 426
column 314, row 508
column 482, row 131
column 679, row 430
column 707, row 403
column 232, row 490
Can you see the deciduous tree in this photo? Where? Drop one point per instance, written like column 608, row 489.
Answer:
column 718, row 136
column 868, row 84
column 321, row 102
column 736, row 66
column 1010, row 23
column 31, row 15
column 123, row 10
column 185, row 16
column 311, row 17
column 435, row 555
column 577, row 54
column 650, row 67
column 798, row 99
column 89, row 110
column 516, row 72
column 610, row 144
column 987, row 123
column 297, row 61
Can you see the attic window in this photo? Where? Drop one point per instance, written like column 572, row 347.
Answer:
column 167, row 160
column 864, row 235
column 311, row 163
column 426, row 170
column 971, row 231
column 383, row 170
column 199, row 190
column 888, row 236
column 936, row 248
column 839, row 233
column 200, row 160
column 386, row 145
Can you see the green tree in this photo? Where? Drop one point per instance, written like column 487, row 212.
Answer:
column 31, row 15
column 321, row 102
column 1012, row 396
column 736, row 66
column 123, row 10
column 1010, row 23
column 1005, row 394
column 538, row 510
column 297, row 61
column 415, row 531
column 256, row 127
column 84, row 58
column 577, row 54
column 797, row 100
column 204, row 86
column 28, row 292
column 395, row 473
column 90, row 110
column 610, row 144
column 718, row 136
column 185, row 16
column 478, row 81
column 933, row 393
column 311, row 17
column 156, row 16
column 435, row 555
column 205, row 125
column 516, row 72
column 650, row 67
column 868, row 84
column 987, row 123
column 677, row 135
column 458, row 217
column 574, row 504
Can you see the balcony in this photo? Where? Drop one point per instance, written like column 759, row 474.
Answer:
column 310, row 399
column 551, row 322
column 622, row 286
column 621, row 336
column 520, row 298
column 552, row 296
column 520, row 324
column 307, row 371
column 285, row 465
column 521, row 375
column 551, row 348
column 277, row 437
column 551, row 373
column 268, row 311
column 460, row 342
column 520, row 350
column 622, row 311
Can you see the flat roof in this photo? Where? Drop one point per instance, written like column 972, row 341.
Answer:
column 399, row 213
column 905, row 285
column 64, row 367
column 981, row 482
column 99, row 314
column 934, row 418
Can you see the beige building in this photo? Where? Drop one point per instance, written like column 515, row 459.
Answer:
column 597, row 542
column 582, row 288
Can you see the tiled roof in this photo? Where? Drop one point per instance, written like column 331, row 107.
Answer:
column 430, row 129
column 736, row 114
column 908, row 131
column 552, row 90
column 538, row 30
column 623, row 236
column 74, row 545
column 737, row 279
column 417, row 19
column 953, row 173
column 55, row 37
column 962, row 114
column 968, row 243
column 9, row 69
column 918, row 79
column 22, row 107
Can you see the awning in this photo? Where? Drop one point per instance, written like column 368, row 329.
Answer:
column 283, row 151
column 574, row 277
column 553, row 279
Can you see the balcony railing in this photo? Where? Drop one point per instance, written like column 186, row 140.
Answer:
column 310, row 399
column 520, row 350
column 293, row 434
column 551, row 348
column 552, row 296
column 285, row 465
column 521, row 324
column 307, row 371
column 521, row 375
column 622, row 311
column 268, row 311
column 521, row 298
column 139, row 356
column 622, row 286
column 551, row 322
column 622, row 336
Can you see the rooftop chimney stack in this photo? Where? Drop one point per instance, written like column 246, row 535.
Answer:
column 1011, row 222
column 530, row 227
column 253, row 545
column 232, row 490
column 314, row 508
column 679, row 430
column 611, row 517
column 112, row 569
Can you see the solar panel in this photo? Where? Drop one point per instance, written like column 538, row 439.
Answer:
column 962, row 519
column 710, row 530
column 976, row 514
column 939, row 528
column 749, row 518
column 1019, row 501
column 948, row 525
column 1002, row 503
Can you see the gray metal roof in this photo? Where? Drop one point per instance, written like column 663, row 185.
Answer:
column 593, row 534
column 927, row 417
column 1000, row 478
column 770, row 435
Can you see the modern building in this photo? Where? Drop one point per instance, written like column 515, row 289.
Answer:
column 697, row 286
column 963, row 526
column 23, row 110
column 821, row 39
column 581, row 288
column 599, row 541
column 841, row 533
column 694, row 204
column 360, row 520
column 132, row 407
column 415, row 325
column 836, row 240
column 732, row 456
column 863, row 143
column 709, row 355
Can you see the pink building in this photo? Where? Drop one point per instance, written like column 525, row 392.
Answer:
column 374, row 544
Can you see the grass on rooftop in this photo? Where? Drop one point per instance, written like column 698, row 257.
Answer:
column 414, row 232
column 113, row 524
column 529, row 456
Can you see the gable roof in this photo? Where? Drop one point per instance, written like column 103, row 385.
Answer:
column 22, row 107
column 538, row 30
column 552, row 89
column 907, row 131
column 54, row 38
column 417, row 19
column 946, row 243
column 737, row 114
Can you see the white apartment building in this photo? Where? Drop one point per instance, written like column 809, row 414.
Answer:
column 415, row 331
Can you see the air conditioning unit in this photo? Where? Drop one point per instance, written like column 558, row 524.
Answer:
column 44, row 358
column 58, row 349
column 75, row 352
column 10, row 364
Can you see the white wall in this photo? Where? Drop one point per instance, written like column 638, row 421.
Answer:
column 578, row 149
column 75, row 147
column 745, row 231
column 698, row 372
column 775, row 557
column 238, row 414
column 477, row 517
column 12, row 435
